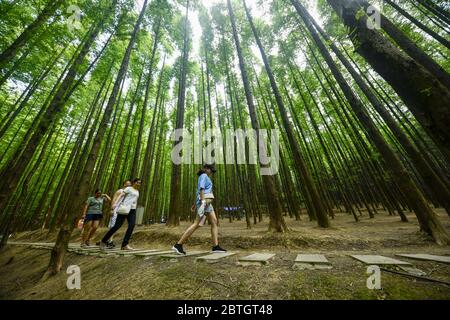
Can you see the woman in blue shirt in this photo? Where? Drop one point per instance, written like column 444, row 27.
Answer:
column 204, row 208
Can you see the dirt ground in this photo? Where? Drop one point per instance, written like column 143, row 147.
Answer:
column 21, row 268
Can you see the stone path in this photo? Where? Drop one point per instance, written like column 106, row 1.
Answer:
column 427, row 257
column 215, row 257
column 379, row 260
column 312, row 262
column 301, row 262
column 256, row 259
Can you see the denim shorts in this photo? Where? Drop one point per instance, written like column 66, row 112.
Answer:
column 207, row 209
column 93, row 217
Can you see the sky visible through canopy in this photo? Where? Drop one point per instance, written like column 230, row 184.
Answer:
column 259, row 9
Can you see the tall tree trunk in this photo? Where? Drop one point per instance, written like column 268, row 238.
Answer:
column 410, row 47
column 149, row 149
column 427, row 98
column 175, row 183
column 428, row 220
column 316, row 203
column 14, row 170
column 9, row 53
column 422, row 26
column 135, row 169
column 81, row 190
column 433, row 181
column 277, row 222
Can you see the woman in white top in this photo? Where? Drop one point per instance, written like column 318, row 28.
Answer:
column 129, row 197
column 115, row 202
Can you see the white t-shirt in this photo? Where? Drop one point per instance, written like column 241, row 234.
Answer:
column 131, row 197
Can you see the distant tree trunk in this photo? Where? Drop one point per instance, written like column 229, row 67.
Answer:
column 316, row 203
column 9, row 119
column 135, row 170
column 277, row 222
column 15, row 66
column 437, row 10
column 149, row 149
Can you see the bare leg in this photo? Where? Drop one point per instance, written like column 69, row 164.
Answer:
column 190, row 231
column 214, row 228
column 93, row 229
column 86, row 231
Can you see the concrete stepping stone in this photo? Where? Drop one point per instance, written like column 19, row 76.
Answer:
column 41, row 247
column 215, row 257
column 257, row 259
column 96, row 248
column 86, row 250
column 102, row 252
column 36, row 243
column 426, row 257
column 379, row 260
column 413, row 271
column 312, row 262
column 133, row 252
column 149, row 254
column 177, row 256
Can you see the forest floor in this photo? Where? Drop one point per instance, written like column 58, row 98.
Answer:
column 21, row 268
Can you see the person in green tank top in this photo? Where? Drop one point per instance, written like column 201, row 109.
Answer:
column 92, row 215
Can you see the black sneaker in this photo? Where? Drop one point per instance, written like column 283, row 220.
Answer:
column 178, row 248
column 218, row 249
column 111, row 244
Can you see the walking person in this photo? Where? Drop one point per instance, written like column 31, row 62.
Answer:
column 126, row 210
column 114, row 206
column 92, row 215
column 204, row 206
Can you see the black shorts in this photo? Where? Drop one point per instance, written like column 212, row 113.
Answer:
column 93, row 217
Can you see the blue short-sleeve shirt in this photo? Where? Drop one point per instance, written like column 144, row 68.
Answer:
column 205, row 183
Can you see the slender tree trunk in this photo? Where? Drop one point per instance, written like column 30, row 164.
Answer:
column 317, row 205
column 135, row 169
column 427, row 218
column 14, row 170
column 427, row 98
column 277, row 222
column 9, row 53
column 411, row 48
column 81, row 190
column 175, row 184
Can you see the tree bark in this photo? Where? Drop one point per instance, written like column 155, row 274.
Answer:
column 277, row 222
column 175, row 183
column 427, row 218
column 81, row 190
column 320, row 211
column 426, row 97
column 9, row 53
column 17, row 165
